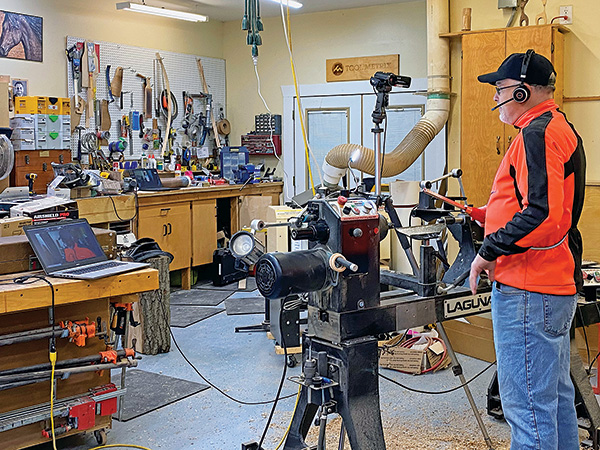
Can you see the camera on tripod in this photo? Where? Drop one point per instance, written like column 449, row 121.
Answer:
column 385, row 81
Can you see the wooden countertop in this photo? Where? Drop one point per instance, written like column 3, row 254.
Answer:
column 104, row 209
column 226, row 190
column 15, row 297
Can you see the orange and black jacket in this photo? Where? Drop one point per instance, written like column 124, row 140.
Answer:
column 535, row 205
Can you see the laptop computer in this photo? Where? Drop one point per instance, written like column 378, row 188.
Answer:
column 69, row 249
column 149, row 180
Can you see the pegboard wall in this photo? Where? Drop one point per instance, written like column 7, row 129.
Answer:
column 183, row 75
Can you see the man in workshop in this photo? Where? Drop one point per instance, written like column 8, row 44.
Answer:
column 532, row 252
column 73, row 251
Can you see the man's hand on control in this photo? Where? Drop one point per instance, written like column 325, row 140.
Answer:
column 477, row 266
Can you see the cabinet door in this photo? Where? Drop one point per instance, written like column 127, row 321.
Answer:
column 204, row 231
column 540, row 39
column 482, row 134
column 170, row 226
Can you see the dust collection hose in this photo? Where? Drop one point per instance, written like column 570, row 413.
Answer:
column 437, row 109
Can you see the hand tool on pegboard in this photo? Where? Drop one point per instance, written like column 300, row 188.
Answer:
column 169, row 105
column 147, row 96
column 212, row 116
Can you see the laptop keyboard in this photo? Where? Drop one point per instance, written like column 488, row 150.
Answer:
column 94, row 268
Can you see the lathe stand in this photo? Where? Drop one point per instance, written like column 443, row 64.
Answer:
column 353, row 393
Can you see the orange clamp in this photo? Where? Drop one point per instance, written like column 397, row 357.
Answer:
column 126, row 306
column 109, row 356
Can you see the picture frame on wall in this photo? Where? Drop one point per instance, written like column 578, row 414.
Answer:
column 21, row 36
column 20, row 87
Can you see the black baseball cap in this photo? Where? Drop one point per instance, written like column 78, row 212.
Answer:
column 540, row 71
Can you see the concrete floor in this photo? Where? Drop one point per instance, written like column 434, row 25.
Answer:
column 245, row 366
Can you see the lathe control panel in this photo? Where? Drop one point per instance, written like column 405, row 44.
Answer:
column 352, row 209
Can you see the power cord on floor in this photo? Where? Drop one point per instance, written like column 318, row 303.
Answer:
column 241, row 402
column 262, row 438
column 446, row 391
column 120, row 446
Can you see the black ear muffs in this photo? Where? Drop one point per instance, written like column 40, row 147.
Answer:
column 522, row 93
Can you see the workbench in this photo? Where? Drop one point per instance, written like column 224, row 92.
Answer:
column 26, row 307
column 184, row 222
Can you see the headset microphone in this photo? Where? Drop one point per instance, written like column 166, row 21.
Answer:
column 503, row 103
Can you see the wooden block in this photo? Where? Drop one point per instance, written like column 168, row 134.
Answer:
column 290, row 350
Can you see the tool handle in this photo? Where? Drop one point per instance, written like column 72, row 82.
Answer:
column 477, row 214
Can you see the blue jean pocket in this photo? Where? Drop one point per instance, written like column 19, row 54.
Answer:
column 558, row 313
column 508, row 290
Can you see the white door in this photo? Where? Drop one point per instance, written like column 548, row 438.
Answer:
column 404, row 111
column 328, row 121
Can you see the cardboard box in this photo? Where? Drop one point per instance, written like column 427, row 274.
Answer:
column 16, row 255
column 253, row 207
column 472, row 338
column 48, row 209
column 403, row 359
column 411, row 360
column 13, row 226
column 476, row 338
column 278, row 237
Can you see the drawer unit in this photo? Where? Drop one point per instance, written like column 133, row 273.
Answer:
column 38, row 162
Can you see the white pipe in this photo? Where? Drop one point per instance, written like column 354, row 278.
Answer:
column 437, row 110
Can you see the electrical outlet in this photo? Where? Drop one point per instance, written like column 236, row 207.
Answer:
column 568, row 12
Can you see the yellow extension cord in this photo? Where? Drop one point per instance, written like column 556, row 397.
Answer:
column 120, row 445
column 289, row 35
column 290, row 424
column 53, row 364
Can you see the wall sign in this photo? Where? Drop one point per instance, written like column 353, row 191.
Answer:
column 21, row 36
column 360, row 68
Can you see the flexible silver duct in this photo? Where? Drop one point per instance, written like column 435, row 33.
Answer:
column 437, row 109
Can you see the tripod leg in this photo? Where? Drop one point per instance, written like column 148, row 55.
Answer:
column 457, row 369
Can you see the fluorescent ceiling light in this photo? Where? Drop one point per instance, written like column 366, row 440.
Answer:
column 162, row 12
column 290, row 3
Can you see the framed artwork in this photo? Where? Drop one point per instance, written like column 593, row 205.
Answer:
column 21, row 36
column 20, row 87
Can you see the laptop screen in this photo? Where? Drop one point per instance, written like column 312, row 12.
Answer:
column 65, row 244
column 147, row 178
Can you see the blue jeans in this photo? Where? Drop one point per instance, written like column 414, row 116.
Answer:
column 531, row 337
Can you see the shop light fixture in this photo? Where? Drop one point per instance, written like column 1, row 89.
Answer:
column 290, row 3
column 162, row 12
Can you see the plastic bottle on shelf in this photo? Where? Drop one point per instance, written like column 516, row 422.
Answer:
column 144, row 161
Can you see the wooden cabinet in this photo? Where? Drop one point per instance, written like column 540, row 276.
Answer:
column 38, row 162
column 484, row 139
column 170, row 226
column 184, row 223
column 204, row 231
